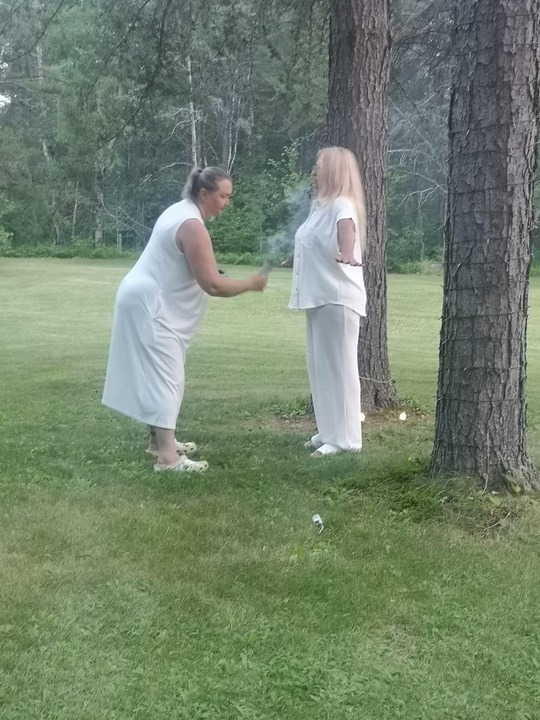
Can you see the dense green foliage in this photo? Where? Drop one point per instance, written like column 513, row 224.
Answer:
column 104, row 107
column 104, row 113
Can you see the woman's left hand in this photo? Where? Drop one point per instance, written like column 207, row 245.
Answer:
column 348, row 260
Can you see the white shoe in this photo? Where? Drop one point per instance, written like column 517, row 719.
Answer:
column 325, row 449
column 184, row 464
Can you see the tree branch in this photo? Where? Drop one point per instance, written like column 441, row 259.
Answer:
column 419, row 23
column 34, row 41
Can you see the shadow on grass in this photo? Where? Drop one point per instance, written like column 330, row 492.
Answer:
column 401, row 485
column 405, row 489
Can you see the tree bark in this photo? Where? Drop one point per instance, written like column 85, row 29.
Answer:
column 493, row 126
column 360, row 45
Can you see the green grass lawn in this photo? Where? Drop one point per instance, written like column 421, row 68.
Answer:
column 127, row 595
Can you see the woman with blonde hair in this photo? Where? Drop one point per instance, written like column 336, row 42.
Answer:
column 328, row 283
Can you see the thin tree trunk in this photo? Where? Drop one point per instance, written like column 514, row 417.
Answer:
column 233, row 132
column 46, row 151
column 493, row 126
column 100, row 202
column 75, row 209
column 98, row 229
column 226, row 125
column 193, row 118
column 357, row 119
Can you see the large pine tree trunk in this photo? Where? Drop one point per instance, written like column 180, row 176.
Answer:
column 481, row 402
column 357, row 119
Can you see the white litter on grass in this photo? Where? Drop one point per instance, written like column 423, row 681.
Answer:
column 318, row 521
column 362, row 417
column 403, row 416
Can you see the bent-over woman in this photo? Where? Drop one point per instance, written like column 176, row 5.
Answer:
column 159, row 306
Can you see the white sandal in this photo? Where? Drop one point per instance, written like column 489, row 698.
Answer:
column 182, row 448
column 184, row 464
column 325, row 449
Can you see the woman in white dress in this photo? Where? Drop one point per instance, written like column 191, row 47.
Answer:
column 328, row 283
column 159, row 306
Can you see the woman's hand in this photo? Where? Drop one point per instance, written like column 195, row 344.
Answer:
column 258, row 282
column 348, row 260
column 193, row 240
column 288, row 262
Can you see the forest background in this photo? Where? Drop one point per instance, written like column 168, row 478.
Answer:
column 104, row 107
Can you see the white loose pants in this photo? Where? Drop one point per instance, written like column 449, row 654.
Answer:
column 332, row 365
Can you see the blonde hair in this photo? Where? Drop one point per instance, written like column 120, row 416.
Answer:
column 338, row 174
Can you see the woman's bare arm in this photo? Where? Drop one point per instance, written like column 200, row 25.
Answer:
column 194, row 241
column 346, row 241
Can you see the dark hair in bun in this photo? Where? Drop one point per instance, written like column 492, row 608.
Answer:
column 207, row 179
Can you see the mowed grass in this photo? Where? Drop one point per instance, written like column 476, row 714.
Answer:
column 128, row 595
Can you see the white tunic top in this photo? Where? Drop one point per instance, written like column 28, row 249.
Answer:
column 317, row 278
column 159, row 306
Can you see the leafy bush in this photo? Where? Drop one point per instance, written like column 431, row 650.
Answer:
column 5, row 240
column 404, row 247
column 260, row 207
column 77, row 249
column 419, row 267
column 5, row 236
column 239, row 228
column 231, row 258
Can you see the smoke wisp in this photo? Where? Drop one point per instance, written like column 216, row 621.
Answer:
column 282, row 243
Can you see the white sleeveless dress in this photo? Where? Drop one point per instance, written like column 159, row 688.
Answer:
column 158, row 309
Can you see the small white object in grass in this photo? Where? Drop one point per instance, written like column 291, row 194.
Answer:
column 403, row 416
column 362, row 417
column 318, row 521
